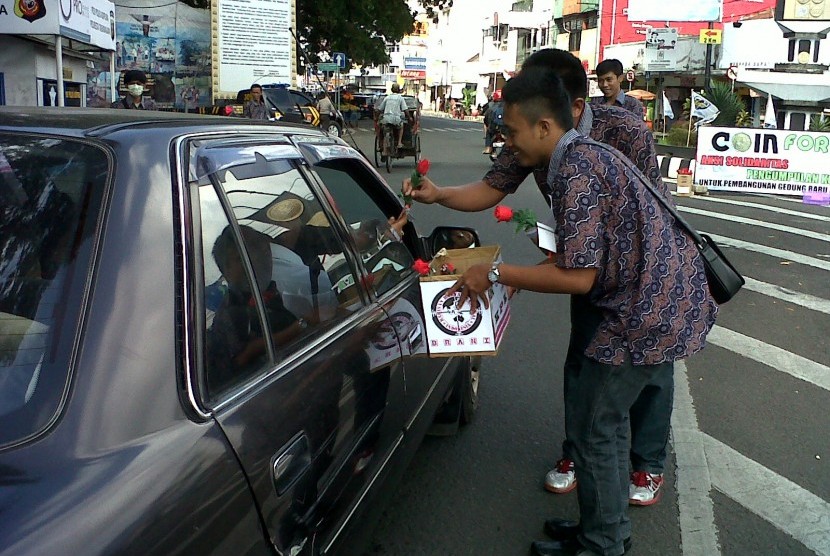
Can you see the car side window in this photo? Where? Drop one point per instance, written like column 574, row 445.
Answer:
column 377, row 233
column 281, row 268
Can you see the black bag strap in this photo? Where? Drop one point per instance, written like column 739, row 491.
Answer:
column 657, row 195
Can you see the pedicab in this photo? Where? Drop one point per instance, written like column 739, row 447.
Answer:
column 411, row 141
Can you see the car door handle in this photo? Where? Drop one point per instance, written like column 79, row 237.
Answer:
column 290, row 463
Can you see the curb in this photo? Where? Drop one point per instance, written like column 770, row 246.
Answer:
column 434, row 114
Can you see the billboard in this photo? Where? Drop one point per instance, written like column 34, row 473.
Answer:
column 69, row 18
column 763, row 160
column 660, row 52
column 252, row 43
column 660, row 10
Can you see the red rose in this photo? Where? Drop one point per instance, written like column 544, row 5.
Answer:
column 503, row 213
column 422, row 167
column 421, row 267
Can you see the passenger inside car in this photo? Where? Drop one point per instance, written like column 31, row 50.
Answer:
column 235, row 338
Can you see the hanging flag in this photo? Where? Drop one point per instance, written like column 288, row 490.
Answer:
column 667, row 111
column 770, row 121
column 704, row 109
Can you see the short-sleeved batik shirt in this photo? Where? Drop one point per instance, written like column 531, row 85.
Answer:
column 623, row 101
column 651, row 286
column 607, row 124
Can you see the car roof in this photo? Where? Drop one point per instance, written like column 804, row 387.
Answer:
column 100, row 121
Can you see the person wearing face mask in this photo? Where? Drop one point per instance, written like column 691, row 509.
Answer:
column 135, row 80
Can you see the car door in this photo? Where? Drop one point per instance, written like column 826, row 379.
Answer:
column 362, row 197
column 309, row 409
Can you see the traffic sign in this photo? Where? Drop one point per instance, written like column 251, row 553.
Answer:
column 629, row 75
column 328, row 66
column 339, row 58
column 711, row 36
column 732, row 73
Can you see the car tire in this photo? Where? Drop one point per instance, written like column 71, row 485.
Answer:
column 469, row 390
column 334, row 129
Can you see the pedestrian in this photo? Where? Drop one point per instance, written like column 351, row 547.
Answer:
column 619, row 128
column 324, row 104
column 135, row 81
column 609, row 80
column 644, row 286
column 256, row 108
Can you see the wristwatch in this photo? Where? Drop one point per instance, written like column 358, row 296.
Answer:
column 494, row 275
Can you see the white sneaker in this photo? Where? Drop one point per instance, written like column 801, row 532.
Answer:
column 562, row 479
column 644, row 489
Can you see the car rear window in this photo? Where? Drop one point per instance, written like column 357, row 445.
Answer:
column 50, row 191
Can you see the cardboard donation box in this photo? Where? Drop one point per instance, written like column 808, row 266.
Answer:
column 685, row 182
column 456, row 331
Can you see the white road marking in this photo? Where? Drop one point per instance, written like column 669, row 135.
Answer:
column 781, row 254
column 759, row 206
column 759, row 223
column 797, row 298
column 789, row 507
column 773, row 357
column 698, row 532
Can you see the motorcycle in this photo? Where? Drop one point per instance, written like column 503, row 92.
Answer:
column 498, row 145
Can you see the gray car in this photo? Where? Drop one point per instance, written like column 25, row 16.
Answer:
column 211, row 337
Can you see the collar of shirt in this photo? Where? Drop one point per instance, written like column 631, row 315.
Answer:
column 556, row 158
column 620, row 98
column 586, row 121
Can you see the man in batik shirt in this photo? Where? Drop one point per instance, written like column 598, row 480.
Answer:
column 647, row 302
column 609, row 81
column 651, row 416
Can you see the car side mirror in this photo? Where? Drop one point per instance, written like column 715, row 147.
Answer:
column 452, row 237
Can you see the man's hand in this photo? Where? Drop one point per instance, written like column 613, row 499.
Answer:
column 428, row 193
column 473, row 285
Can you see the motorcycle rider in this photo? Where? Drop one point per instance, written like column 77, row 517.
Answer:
column 493, row 121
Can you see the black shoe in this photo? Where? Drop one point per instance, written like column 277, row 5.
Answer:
column 569, row 547
column 561, row 529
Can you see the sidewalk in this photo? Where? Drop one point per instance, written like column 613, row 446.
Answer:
column 436, row 114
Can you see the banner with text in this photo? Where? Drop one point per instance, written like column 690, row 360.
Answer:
column 763, row 160
column 252, row 43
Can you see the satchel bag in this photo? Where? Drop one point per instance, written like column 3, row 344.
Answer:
column 723, row 278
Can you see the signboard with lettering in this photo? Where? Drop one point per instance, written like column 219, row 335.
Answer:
column 69, row 18
column 763, row 160
column 412, row 74
column 251, row 43
column 660, row 10
column 660, row 53
column 711, row 36
column 415, row 63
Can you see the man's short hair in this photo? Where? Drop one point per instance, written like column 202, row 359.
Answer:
column 567, row 66
column 610, row 65
column 132, row 76
column 396, row 88
column 256, row 86
column 538, row 92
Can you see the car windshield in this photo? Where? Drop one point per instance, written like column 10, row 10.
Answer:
column 49, row 193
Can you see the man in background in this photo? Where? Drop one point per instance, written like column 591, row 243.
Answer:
column 256, row 109
column 135, row 81
column 609, row 81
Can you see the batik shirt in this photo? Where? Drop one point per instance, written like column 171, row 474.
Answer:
column 607, row 124
column 651, row 286
column 623, row 101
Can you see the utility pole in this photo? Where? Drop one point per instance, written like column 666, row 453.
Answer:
column 707, row 72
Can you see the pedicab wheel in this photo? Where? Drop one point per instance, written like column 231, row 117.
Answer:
column 417, row 148
column 377, row 151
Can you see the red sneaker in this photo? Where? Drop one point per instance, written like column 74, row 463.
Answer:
column 644, row 489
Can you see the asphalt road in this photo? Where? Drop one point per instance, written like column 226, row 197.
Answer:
column 749, row 469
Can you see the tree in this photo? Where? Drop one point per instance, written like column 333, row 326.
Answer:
column 360, row 29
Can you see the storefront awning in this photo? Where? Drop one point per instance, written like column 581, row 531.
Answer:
column 789, row 87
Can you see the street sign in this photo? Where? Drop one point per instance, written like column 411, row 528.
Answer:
column 629, row 75
column 328, row 66
column 711, row 36
column 414, row 63
column 732, row 73
column 339, row 58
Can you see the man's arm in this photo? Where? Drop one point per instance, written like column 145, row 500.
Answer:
column 470, row 197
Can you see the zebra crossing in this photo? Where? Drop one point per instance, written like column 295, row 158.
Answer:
column 705, row 463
